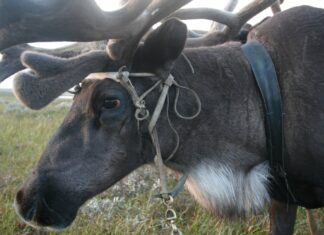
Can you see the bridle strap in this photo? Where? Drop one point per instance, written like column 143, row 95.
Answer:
column 122, row 77
column 159, row 106
column 153, row 133
column 113, row 75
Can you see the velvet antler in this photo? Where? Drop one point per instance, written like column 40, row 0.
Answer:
column 233, row 22
column 61, row 20
column 123, row 48
column 49, row 76
column 11, row 63
column 83, row 21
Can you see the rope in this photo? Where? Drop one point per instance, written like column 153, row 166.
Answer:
column 175, row 149
column 159, row 163
column 177, row 98
column 142, row 97
column 189, row 63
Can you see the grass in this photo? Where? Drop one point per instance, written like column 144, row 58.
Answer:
column 126, row 208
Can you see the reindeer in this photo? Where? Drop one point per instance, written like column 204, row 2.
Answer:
column 221, row 146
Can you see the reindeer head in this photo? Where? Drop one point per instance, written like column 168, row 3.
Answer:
column 99, row 141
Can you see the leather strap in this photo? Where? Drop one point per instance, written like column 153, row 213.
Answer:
column 268, row 85
column 266, row 79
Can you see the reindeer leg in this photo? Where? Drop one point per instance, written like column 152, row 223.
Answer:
column 311, row 221
column 282, row 218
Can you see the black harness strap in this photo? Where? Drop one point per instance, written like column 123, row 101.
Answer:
column 267, row 82
column 266, row 79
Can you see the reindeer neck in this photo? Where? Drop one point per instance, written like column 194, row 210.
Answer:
column 231, row 107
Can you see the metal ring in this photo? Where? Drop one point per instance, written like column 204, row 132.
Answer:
column 141, row 114
column 170, row 215
column 167, row 199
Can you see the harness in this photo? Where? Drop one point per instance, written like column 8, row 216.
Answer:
column 142, row 113
column 267, row 82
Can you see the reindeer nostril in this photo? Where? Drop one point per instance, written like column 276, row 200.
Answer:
column 26, row 206
column 19, row 197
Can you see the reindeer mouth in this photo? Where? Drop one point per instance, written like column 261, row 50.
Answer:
column 42, row 217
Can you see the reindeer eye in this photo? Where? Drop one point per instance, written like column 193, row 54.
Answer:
column 111, row 103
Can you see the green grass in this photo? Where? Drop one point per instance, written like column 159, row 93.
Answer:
column 126, row 208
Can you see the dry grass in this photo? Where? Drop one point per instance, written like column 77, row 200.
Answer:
column 126, row 208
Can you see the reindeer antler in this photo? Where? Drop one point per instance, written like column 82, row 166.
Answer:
column 58, row 20
column 275, row 8
column 39, row 88
column 48, row 76
column 78, row 20
column 61, row 20
column 123, row 49
column 11, row 63
column 233, row 22
column 230, row 6
column 82, row 20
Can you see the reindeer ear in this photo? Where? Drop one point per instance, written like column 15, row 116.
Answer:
column 164, row 45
